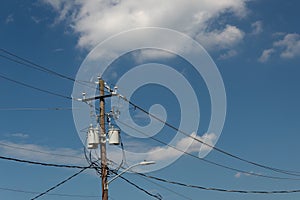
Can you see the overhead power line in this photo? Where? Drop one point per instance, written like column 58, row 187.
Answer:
column 38, row 151
column 97, row 166
column 159, row 185
column 206, row 160
column 43, row 164
column 51, row 194
column 157, row 196
column 33, row 87
column 60, row 183
column 287, row 172
column 220, row 189
column 35, row 109
column 30, row 64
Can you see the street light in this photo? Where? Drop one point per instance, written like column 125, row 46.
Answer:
column 132, row 166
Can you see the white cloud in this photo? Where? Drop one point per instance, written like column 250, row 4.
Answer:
column 257, row 27
column 165, row 153
column 221, row 39
column 290, row 45
column 266, row 54
column 96, row 20
column 149, row 54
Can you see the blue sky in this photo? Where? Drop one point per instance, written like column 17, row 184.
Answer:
column 255, row 45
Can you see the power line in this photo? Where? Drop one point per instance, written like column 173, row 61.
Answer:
column 33, row 87
column 42, row 163
column 36, row 109
column 41, row 152
column 220, row 189
column 287, row 172
column 157, row 196
column 206, row 160
column 97, row 167
column 61, row 183
column 51, row 194
column 159, row 185
column 33, row 65
column 27, row 63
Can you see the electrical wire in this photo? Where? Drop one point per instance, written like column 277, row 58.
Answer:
column 219, row 189
column 41, row 152
column 35, row 109
column 33, row 87
column 42, row 163
column 159, row 185
column 287, row 172
column 27, row 63
column 51, row 194
column 206, row 160
column 61, row 183
column 97, row 166
column 157, row 196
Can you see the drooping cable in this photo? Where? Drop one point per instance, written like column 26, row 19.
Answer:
column 33, row 87
column 27, row 63
column 157, row 196
column 159, row 185
column 206, row 160
column 220, row 189
column 287, row 172
column 36, row 109
column 61, row 183
column 51, row 194
column 38, row 151
column 42, row 163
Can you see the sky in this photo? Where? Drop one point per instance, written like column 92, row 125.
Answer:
column 255, row 45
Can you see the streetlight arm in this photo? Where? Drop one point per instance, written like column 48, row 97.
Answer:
column 132, row 166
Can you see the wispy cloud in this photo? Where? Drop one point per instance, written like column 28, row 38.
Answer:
column 257, row 27
column 228, row 54
column 240, row 174
column 58, row 50
column 18, row 135
column 266, row 54
column 9, row 19
column 36, row 19
column 40, row 153
column 288, row 47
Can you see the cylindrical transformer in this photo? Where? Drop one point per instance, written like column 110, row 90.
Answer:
column 114, row 136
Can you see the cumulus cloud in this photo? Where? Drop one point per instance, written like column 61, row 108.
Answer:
column 288, row 47
column 95, row 20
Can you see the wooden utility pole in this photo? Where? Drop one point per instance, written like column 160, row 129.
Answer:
column 103, row 142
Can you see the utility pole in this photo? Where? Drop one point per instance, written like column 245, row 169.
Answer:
column 103, row 142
